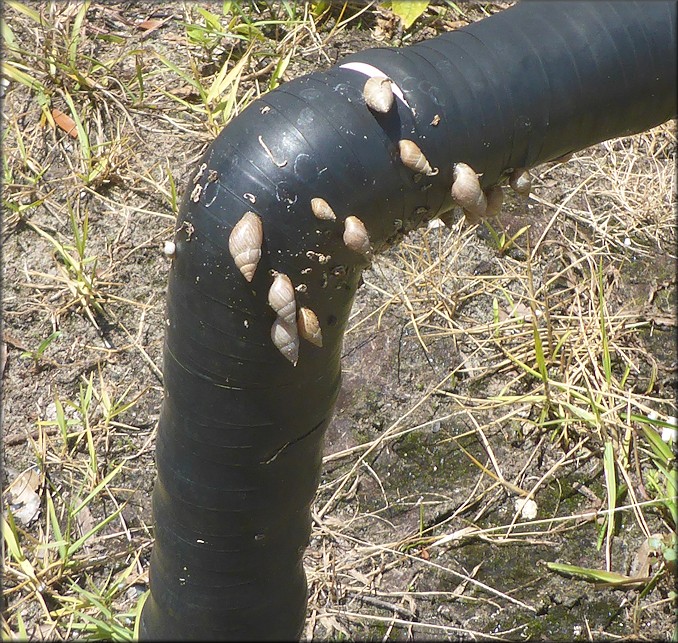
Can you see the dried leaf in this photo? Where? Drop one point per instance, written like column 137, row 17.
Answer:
column 23, row 499
column 148, row 25
column 85, row 522
column 65, row 122
column 151, row 25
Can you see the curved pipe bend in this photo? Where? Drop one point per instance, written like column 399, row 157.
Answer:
column 240, row 439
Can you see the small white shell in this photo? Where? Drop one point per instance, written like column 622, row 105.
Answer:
column 286, row 339
column 281, row 298
column 414, row 159
column 169, row 249
column 495, row 199
column 309, row 326
column 322, row 210
column 378, row 94
column 355, row 236
column 466, row 191
column 521, row 181
column 244, row 244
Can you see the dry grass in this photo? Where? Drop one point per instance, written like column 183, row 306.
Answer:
column 524, row 352
column 550, row 351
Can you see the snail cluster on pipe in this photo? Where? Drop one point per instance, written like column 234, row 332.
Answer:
column 286, row 208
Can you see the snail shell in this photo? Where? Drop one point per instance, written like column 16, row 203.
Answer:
column 286, row 339
column 169, row 249
column 309, row 326
column 413, row 158
column 244, row 244
column 378, row 94
column 355, row 236
column 322, row 210
column 521, row 181
column 466, row 191
column 495, row 198
column 281, row 298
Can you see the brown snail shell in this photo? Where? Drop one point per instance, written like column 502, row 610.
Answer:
column 495, row 199
column 466, row 191
column 378, row 94
column 322, row 210
column 414, row 159
column 281, row 298
column 309, row 326
column 286, row 339
column 355, row 236
column 244, row 244
column 521, row 181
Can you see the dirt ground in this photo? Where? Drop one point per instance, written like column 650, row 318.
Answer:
column 439, row 429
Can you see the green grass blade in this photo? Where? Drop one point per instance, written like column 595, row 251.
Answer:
column 611, row 484
column 92, row 494
column 77, row 544
column 54, row 522
column 607, row 361
column 595, row 575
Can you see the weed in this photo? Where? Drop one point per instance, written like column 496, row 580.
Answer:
column 36, row 355
column 78, row 271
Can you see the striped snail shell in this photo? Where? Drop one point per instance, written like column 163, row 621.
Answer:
column 466, row 191
column 378, row 94
column 244, row 244
column 521, row 181
column 286, row 339
column 495, row 199
column 355, row 236
column 322, row 210
column 309, row 326
column 281, row 298
column 414, row 159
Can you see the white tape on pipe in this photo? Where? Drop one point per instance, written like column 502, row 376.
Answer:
column 372, row 72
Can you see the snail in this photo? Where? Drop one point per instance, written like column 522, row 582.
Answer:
column 322, row 210
column 466, row 191
column 413, row 158
column 309, row 326
column 521, row 181
column 495, row 198
column 286, row 339
column 355, row 236
column 169, row 249
column 244, row 244
column 378, row 94
column 281, row 298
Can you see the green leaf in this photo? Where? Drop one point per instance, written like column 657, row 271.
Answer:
column 662, row 451
column 611, row 484
column 7, row 35
column 595, row 575
column 408, row 10
column 27, row 11
column 211, row 20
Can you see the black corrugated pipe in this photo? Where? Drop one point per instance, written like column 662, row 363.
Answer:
column 240, row 438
